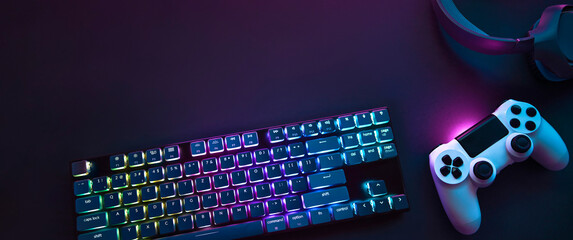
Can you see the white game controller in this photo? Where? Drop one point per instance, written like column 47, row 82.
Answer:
column 513, row 133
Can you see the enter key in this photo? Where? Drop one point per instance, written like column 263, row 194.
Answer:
column 326, row 179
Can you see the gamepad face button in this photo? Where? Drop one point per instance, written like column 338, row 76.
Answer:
column 445, row 170
column 483, row 170
column 531, row 112
column 514, row 123
column 458, row 162
column 521, row 144
column 456, row 173
column 515, row 109
column 447, row 160
column 530, row 125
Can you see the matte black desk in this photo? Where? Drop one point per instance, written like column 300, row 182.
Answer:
column 83, row 80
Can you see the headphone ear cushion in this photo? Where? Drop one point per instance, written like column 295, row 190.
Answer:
column 539, row 70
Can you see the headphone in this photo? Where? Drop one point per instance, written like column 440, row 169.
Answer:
column 549, row 43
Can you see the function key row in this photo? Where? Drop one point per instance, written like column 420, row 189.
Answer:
column 229, row 143
column 344, row 123
column 139, row 158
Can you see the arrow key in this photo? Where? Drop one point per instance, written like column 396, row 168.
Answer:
column 399, row 202
column 376, row 188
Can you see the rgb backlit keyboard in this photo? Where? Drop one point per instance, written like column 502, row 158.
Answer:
column 265, row 181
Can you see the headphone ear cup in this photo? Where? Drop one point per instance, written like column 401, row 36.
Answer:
column 536, row 67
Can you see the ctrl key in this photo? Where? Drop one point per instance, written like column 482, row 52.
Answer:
column 107, row 234
column 275, row 224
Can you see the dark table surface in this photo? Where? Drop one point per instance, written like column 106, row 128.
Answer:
column 86, row 79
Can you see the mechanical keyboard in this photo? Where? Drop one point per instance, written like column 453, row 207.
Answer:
column 259, row 182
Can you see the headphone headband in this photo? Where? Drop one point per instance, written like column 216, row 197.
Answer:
column 464, row 32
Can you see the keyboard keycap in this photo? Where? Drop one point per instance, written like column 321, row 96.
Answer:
column 173, row 171
column 384, row 135
column 171, row 153
column 111, row 200
column 137, row 213
column 221, row 216
column 276, row 135
column 326, row 179
column 318, row 216
column 185, row 222
column 191, row 168
column 327, row 126
column 235, row 231
column 297, row 220
column 215, row 145
column 227, row 162
column 263, row 191
column 399, row 202
column 118, row 162
column 245, row 159
column 293, row 132
column 129, row 232
column 138, row 177
column 227, row 197
column 298, row 184
column 136, row 159
column 310, row 129
column 257, row 209
column 353, row 157
column 209, row 165
column 106, row 234
column 297, row 150
column 256, row 175
column 166, row 226
column 130, row 197
column 341, row 212
column 82, row 187
column 148, row 229
column 280, row 188
column 275, row 224
column 238, row 178
column 274, row 206
column 185, row 187
column 308, row 165
column 262, row 156
column 156, row 174
column 167, row 190
column 245, row 194
column 376, row 188
column 203, row 184
column 346, row 123
column 367, row 137
column 198, row 149
column 250, row 139
column 148, row 193
column 330, row 161
column 363, row 120
column 362, row 208
column 322, row 145
column 239, row 213
column 100, row 184
column 81, row 168
column 273, row 171
column 88, row 204
column 325, row 197
column 279, row 153
column 117, row 217
column 291, row 168
column 349, row 141
column 155, row 210
column 92, row 221
column 388, row 151
column 191, row 203
column 292, row 203
column 233, row 142
column 221, row 181
column 119, row 181
column 381, row 205
column 154, row 156
column 371, row 154
column 380, row 117
column 173, row 206
column 203, row 219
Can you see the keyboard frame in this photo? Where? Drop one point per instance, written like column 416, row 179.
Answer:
column 389, row 168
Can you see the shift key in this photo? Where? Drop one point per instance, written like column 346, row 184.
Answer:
column 325, row 197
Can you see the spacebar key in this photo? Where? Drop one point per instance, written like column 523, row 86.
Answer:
column 241, row 230
column 325, row 197
column 322, row 145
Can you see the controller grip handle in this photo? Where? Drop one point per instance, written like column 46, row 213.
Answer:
column 461, row 205
column 549, row 150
